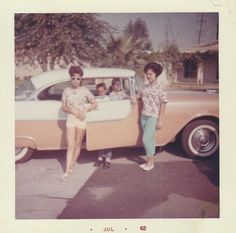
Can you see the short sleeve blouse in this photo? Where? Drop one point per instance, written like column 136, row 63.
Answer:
column 153, row 95
column 77, row 98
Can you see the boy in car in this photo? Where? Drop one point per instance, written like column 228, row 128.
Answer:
column 104, row 156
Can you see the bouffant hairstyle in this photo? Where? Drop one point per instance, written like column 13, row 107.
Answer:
column 75, row 70
column 157, row 68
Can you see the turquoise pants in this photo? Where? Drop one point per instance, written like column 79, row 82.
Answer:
column 149, row 124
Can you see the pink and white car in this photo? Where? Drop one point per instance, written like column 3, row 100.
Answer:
column 191, row 116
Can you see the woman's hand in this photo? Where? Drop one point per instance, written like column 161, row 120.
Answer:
column 133, row 100
column 161, row 115
column 79, row 114
column 82, row 115
column 159, row 125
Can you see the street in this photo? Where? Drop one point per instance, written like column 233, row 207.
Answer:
column 177, row 187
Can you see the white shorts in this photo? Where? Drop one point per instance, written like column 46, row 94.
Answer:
column 72, row 121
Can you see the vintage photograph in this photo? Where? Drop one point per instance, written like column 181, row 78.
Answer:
column 117, row 115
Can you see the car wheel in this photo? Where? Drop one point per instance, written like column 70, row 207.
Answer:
column 200, row 138
column 22, row 154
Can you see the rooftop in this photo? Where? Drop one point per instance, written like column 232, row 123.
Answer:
column 202, row 48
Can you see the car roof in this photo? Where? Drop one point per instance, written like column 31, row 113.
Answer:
column 63, row 75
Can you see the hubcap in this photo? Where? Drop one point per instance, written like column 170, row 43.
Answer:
column 204, row 140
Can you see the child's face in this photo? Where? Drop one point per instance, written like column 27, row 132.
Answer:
column 151, row 76
column 101, row 91
column 116, row 87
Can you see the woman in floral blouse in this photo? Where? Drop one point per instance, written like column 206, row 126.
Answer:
column 154, row 100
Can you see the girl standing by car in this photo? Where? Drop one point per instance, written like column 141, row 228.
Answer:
column 74, row 99
column 154, row 100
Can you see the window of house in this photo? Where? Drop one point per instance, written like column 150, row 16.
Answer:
column 190, row 69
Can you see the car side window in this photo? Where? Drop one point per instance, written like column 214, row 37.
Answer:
column 53, row 92
column 126, row 86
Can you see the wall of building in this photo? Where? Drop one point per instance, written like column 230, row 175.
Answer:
column 209, row 73
column 210, row 70
column 180, row 77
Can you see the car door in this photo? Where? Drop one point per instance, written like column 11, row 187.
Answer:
column 114, row 123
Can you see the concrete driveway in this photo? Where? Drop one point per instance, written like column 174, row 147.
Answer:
column 176, row 188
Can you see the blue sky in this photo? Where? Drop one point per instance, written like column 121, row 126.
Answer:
column 184, row 26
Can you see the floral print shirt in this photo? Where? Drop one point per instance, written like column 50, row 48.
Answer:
column 152, row 96
column 77, row 98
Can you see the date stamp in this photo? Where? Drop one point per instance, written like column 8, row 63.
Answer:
column 112, row 229
column 143, row 228
column 108, row 229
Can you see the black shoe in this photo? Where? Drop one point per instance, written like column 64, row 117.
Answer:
column 98, row 163
column 106, row 165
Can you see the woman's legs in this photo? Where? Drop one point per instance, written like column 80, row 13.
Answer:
column 78, row 143
column 143, row 124
column 70, row 139
column 149, row 129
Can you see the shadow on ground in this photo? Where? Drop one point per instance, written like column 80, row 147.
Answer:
column 132, row 154
column 207, row 166
column 124, row 191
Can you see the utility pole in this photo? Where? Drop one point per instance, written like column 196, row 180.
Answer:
column 167, row 34
column 169, row 31
column 201, row 32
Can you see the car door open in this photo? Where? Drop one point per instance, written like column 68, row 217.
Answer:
column 113, row 124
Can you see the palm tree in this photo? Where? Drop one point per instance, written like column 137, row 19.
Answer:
column 127, row 50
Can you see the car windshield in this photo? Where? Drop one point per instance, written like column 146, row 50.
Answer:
column 24, row 90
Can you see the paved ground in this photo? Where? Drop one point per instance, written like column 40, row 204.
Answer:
column 176, row 188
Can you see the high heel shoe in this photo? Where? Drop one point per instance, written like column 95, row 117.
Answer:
column 64, row 177
column 146, row 168
column 143, row 165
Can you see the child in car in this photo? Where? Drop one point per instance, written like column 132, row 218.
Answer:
column 104, row 156
column 116, row 92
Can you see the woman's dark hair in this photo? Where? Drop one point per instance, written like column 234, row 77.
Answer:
column 157, row 68
column 101, row 85
column 75, row 70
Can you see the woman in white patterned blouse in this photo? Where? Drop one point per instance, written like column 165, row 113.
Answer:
column 154, row 101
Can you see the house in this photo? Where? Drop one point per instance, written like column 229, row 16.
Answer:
column 200, row 64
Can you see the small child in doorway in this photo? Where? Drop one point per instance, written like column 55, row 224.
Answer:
column 104, row 156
